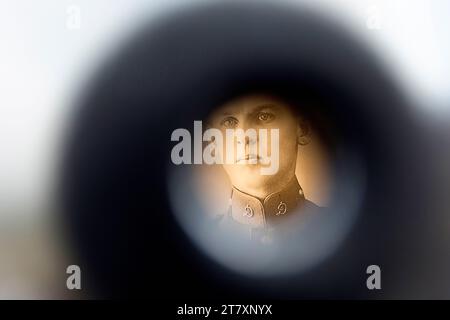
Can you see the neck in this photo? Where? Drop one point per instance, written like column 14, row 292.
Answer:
column 262, row 192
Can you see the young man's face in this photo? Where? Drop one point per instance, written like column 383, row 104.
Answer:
column 257, row 112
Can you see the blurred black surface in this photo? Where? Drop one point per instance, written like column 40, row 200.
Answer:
column 114, row 174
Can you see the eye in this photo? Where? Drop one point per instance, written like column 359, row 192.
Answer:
column 265, row 116
column 229, row 122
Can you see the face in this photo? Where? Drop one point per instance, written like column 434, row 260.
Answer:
column 258, row 112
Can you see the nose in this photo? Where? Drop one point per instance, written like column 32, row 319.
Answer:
column 243, row 139
column 247, row 141
column 247, row 138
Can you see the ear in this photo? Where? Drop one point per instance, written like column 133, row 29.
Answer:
column 303, row 132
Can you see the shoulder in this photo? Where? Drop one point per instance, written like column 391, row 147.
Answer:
column 313, row 208
column 311, row 205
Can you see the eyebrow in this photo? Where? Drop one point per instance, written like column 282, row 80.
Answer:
column 228, row 113
column 257, row 108
column 264, row 106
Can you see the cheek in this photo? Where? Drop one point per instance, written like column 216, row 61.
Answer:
column 288, row 145
column 287, row 141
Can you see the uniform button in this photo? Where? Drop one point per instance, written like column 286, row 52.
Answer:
column 248, row 211
column 281, row 208
column 300, row 192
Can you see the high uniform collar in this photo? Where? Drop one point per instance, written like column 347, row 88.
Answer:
column 249, row 210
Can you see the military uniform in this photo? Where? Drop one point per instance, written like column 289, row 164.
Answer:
column 270, row 220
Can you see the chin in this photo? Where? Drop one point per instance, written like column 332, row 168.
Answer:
column 249, row 176
column 255, row 181
column 246, row 172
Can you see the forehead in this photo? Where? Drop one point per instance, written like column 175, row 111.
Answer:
column 249, row 104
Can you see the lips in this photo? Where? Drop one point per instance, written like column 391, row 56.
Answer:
column 249, row 157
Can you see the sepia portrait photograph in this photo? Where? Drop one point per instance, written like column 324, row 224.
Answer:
column 268, row 134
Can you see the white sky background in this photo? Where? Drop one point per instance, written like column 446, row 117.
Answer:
column 44, row 60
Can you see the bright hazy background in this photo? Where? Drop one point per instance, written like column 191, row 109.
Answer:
column 48, row 50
